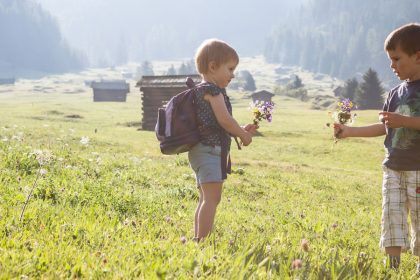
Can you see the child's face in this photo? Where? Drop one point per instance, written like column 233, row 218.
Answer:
column 223, row 74
column 406, row 67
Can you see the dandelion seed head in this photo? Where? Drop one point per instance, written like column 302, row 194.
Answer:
column 84, row 140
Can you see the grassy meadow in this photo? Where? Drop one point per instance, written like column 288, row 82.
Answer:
column 105, row 203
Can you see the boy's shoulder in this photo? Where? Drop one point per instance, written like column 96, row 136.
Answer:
column 402, row 84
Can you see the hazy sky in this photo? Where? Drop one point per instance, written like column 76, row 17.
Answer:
column 159, row 29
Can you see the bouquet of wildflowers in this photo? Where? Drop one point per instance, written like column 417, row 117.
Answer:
column 343, row 114
column 262, row 111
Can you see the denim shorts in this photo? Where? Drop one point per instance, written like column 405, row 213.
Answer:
column 205, row 161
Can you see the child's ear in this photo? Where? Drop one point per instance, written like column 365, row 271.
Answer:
column 212, row 66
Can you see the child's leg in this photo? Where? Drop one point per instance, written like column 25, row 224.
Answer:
column 196, row 212
column 394, row 254
column 394, row 226
column 412, row 180
column 212, row 193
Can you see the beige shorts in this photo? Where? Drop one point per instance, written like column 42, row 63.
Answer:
column 400, row 198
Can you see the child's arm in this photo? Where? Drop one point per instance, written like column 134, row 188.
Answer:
column 373, row 130
column 225, row 120
column 395, row 120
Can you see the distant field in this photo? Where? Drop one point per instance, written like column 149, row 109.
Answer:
column 109, row 205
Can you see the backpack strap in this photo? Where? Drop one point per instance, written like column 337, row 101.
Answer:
column 225, row 162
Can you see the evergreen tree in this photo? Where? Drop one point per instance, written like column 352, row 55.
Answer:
column 339, row 38
column 296, row 83
column 183, row 69
column 350, row 88
column 171, row 70
column 145, row 69
column 369, row 94
column 249, row 82
column 31, row 39
column 191, row 67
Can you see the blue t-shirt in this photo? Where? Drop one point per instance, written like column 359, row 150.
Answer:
column 402, row 145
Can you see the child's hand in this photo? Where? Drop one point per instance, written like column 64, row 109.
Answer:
column 392, row 120
column 340, row 131
column 251, row 128
column 246, row 138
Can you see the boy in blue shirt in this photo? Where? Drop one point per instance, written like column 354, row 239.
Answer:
column 400, row 122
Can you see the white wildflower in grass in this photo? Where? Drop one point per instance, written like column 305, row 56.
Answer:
column 4, row 139
column 43, row 157
column 84, row 140
column 135, row 159
column 42, row 172
column 18, row 137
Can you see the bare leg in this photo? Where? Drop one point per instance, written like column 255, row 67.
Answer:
column 196, row 212
column 394, row 254
column 212, row 193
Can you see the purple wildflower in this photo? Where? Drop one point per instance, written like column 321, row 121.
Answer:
column 262, row 111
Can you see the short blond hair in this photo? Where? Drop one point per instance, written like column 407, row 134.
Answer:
column 407, row 37
column 213, row 50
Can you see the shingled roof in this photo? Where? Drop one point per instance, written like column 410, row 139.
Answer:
column 166, row 81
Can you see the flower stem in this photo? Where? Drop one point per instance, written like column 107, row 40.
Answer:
column 30, row 193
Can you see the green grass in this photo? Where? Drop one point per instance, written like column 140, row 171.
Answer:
column 117, row 208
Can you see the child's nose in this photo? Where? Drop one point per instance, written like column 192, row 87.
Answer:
column 392, row 65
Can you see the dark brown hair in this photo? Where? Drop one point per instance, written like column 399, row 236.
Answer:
column 213, row 50
column 407, row 37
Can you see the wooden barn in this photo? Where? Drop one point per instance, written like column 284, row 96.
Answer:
column 157, row 90
column 262, row 95
column 110, row 91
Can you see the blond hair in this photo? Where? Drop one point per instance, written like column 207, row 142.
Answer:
column 407, row 37
column 213, row 50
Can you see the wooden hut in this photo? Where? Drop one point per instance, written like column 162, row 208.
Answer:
column 262, row 95
column 157, row 90
column 110, row 91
